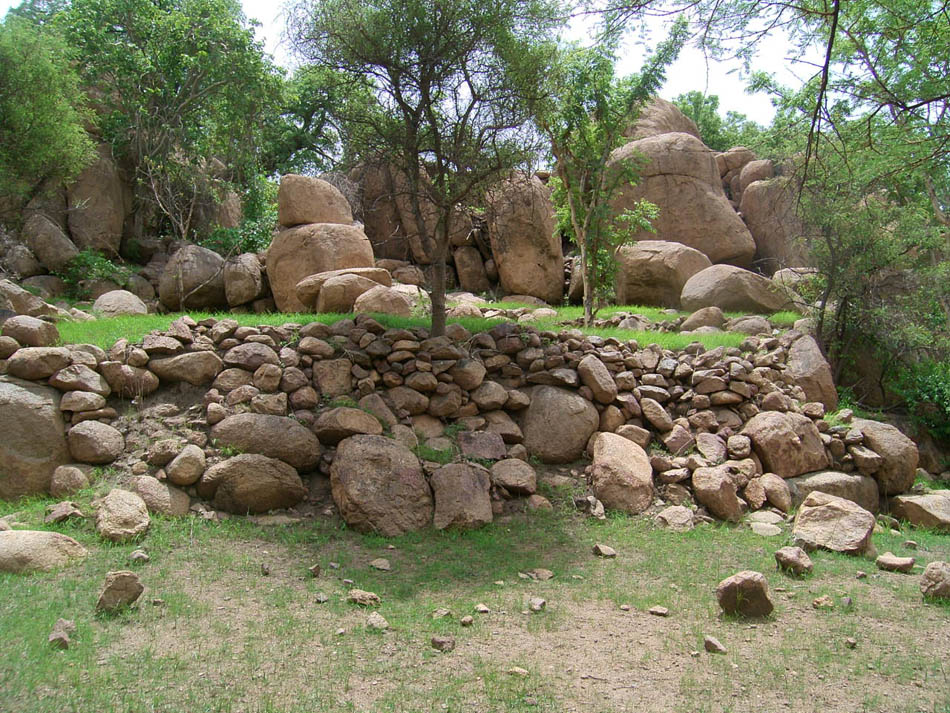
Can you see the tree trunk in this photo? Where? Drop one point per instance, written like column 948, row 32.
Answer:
column 588, row 286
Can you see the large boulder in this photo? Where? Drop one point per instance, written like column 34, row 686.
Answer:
column 98, row 202
column 380, row 213
column 48, row 242
column 383, row 300
column 621, row 474
column 35, row 363
column 159, row 497
column 272, row 436
column 340, row 292
column 342, row 422
column 931, row 510
column 832, row 523
column 715, row 490
column 15, row 298
column 118, row 302
column 308, row 289
column 306, row 250
column 31, row 331
column 243, row 279
column 660, row 116
column 23, row 551
column 899, row 452
column 192, row 367
column 252, row 483
column 770, row 210
column 193, row 278
column 33, row 444
column 94, row 442
column 788, row 444
column 857, row 488
column 732, row 289
column 121, row 515
column 471, row 269
column 679, row 174
column 462, row 500
column 811, row 371
column 379, row 486
column 526, row 250
column 557, row 424
column 304, row 199
column 653, row 272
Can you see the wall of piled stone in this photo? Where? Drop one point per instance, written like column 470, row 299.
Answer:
column 729, row 429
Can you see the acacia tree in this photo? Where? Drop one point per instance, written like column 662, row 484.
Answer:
column 584, row 119
column 453, row 85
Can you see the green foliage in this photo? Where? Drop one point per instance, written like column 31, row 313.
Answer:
column 717, row 133
column 177, row 83
column 584, row 120
column 89, row 266
column 926, row 388
column 42, row 110
column 254, row 234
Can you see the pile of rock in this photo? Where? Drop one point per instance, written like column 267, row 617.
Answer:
column 731, row 429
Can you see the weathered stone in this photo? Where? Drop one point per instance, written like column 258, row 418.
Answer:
column 857, row 488
column 67, row 480
column 121, row 515
column 934, row 582
column 128, row 382
column 187, row 467
column 900, row 455
column 79, row 377
column 336, row 424
column 732, row 289
column 195, row 368
column 378, row 485
column 193, row 278
column 660, row 116
column 272, row 436
column 118, row 302
column 595, row 376
column 558, row 424
column 94, row 442
column 305, row 199
column 833, row 523
column 745, row 594
column 23, row 551
column 653, row 272
column 121, row 589
column 250, row 356
column 97, row 204
column 252, row 483
column 461, row 497
column 676, row 518
column 515, row 476
column 159, row 497
column 30, row 331
column 243, row 279
column 811, row 371
column 793, row 560
column 484, row 445
column 621, row 475
column 48, row 242
column 777, row 491
column 889, row 562
column 787, row 443
column 309, row 288
column 33, row 442
column 931, row 510
column 716, row 491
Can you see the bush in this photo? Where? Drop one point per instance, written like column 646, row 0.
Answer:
column 926, row 389
column 254, row 234
column 90, row 266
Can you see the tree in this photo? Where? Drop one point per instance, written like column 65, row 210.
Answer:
column 177, row 83
column 717, row 133
column 454, row 84
column 584, row 120
column 42, row 110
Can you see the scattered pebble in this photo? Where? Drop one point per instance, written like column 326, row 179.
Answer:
column 340, row 631
column 624, row 607
column 443, row 643
column 713, row 645
column 536, row 604
column 481, row 609
column 314, row 571
column 59, row 636
column 823, row 603
column 467, row 620
column 851, row 642
column 381, row 563
column 889, row 562
column 377, row 622
column 348, row 582
column 605, row 551
column 265, row 569
column 659, row 611
column 440, row 613
column 321, row 598
column 860, row 575
column 363, row 598
column 333, row 565
column 911, row 545
column 518, row 671
column 140, row 556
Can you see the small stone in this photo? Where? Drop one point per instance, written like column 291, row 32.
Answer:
column 713, row 645
column 265, row 569
column 745, row 594
column 851, row 642
column 604, row 551
column 314, row 571
column 59, row 636
column 540, row 574
column 482, row 609
column 348, row 582
column 659, row 611
column 467, row 620
column 518, row 671
column 890, row 562
column 321, row 598
column 624, row 607
column 381, row 563
column 793, row 560
column 139, row 557
column 935, row 581
column 910, row 544
column 441, row 613
column 363, row 598
column 376, row 622
column 860, row 575
column 443, row 643
column 62, row 511
column 823, row 603
column 536, row 604
column 121, row 589
column 340, row 632
column 333, row 565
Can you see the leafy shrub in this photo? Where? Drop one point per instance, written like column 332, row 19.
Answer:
column 926, row 389
column 259, row 203
column 88, row 266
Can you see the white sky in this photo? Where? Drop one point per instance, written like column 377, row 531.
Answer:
column 690, row 72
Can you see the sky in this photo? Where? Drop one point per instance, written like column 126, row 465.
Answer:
column 690, row 72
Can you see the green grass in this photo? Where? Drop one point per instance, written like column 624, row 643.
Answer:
column 228, row 639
